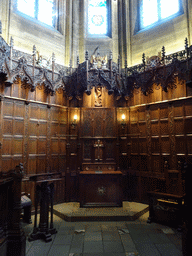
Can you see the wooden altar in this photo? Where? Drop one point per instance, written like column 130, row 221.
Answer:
column 100, row 185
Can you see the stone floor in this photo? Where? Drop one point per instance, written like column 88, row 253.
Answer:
column 112, row 238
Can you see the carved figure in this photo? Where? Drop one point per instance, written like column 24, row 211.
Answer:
column 98, row 96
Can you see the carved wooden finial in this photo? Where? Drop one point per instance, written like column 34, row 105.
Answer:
column 53, row 57
column 11, row 42
column 34, row 50
column 143, row 58
column 163, row 53
column 86, row 55
column 70, row 63
column 0, row 28
column 126, row 63
column 186, row 43
column 110, row 55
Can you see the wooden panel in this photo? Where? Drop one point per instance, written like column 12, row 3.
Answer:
column 134, row 145
column 178, row 110
column 164, row 127
column 32, row 146
column 41, row 164
column 7, row 126
column 17, row 146
column 155, row 145
column 42, row 128
column 32, row 165
column 63, row 147
column 156, row 163
column 154, row 114
column 155, row 128
column 180, row 144
column 189, row 144
column 6, row 164
column 41, row 146
column 188, row 126
column 109, row 128
column 188, row 109
column 54, row 146
column 19, row 110
column 134, row 128
column 7, row 108
column 34, row 111
column 142, row 129
column 98, row 122
column 63, row 129
column 54, row 129
column 19, row 127
column 87, row 148
column 7, row 146
column 179, row 126
column 33, row 128
column 164, row 112
column 165, row 145
column 43, row 113
column 87, row 122
column 143, row 145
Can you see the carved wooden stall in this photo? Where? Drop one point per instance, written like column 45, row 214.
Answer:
column 12, row 237
column 61, row 119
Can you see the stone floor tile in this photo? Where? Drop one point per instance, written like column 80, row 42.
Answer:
column 63, row 239
column 93, row 247
column 76, row 249
column 168, row 249
column 93, row 236
column 111, row 235
column 148, row 250
column 59, row 250
column 159, row 238
column 141, row 238
column 176, row 240
column 39, row 250
column 113, row 246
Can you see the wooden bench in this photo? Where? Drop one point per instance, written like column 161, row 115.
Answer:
column 26, row 204
column 166, row 209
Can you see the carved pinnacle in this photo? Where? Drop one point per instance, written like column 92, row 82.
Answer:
column 11, row 42
column 163, row 53
column 86, row 55
column 126, row 63
column 110, row 55
column 53, row 57
column 34, row 50
column 77, row 60
column 143, row 58
column 0, row 28
column 70, row 63
column 186, row 43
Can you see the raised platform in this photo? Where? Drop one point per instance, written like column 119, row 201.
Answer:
column 72, row 212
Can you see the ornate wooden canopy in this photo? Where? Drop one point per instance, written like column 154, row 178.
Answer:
column 95, row 71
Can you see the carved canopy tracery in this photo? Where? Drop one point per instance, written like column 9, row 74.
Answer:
column 160, row 70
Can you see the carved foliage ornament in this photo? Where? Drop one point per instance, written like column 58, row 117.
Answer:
column 160, row 70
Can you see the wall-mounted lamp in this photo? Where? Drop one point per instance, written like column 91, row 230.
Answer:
column 123, row 124
column 74, row 123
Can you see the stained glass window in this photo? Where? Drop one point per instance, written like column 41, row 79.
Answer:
column 156, row 10
column 97, row 17
column 41, row 10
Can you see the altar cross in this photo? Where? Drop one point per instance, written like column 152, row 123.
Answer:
column 98, row 150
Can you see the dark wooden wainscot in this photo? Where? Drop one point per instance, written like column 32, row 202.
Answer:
column 166, row 208
column 100, row 186
column 12, row 237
